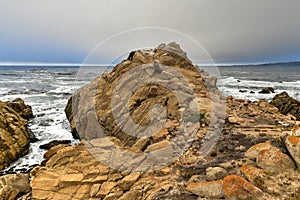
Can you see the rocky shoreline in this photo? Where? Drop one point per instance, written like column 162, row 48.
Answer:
column 256, row 155
column 15, row 135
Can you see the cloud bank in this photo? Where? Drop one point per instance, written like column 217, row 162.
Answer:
column 231, row 31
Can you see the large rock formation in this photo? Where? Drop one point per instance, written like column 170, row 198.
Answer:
column 287, row 104
column 163, row 76
column 14, row 135
column 233, row 169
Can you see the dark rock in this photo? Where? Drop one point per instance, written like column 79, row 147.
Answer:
column 46, row 122
column 251, row 92
column 242, row 91
column 32, row 137
column 53, row 143
column 130, row 56
column 286, row 104
column 267, row 90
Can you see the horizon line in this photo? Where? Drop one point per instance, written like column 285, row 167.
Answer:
column 106, row 64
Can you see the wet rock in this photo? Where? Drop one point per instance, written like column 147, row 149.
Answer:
column 293, row 146
column 286, row 104
column 267, row 90
column 274, row 160
column 53, row 143
column 32, row 137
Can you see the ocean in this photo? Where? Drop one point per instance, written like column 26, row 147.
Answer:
column 47, row 89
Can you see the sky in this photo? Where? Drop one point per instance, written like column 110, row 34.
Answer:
column 76, row 31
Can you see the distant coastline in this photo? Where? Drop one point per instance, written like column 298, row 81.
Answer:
column 8, row 64
column 293, row 63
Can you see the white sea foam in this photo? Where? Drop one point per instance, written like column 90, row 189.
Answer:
column 242, row 88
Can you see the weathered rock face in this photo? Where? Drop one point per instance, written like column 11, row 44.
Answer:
column 14, row 135
column 169, row 64
column 286, row 104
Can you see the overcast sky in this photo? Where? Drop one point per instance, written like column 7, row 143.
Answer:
column 231, row 31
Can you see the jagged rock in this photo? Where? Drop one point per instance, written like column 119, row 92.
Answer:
column 242, row 91
column 267, row 90
column 293, row 146
column 236, row 187
column 14, row 135
column 167, row 63
column 274, row 160
column 13, row 185
column 20, row 107
column 32, row 137
column 286, row 104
